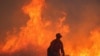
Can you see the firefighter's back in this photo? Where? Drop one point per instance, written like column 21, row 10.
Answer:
column 54, row 48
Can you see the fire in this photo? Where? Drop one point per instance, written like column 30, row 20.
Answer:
column 95, row 38
column 93, row 47
column 37, row 35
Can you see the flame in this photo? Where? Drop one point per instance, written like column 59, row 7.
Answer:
column 38, row 34
column 91, row 49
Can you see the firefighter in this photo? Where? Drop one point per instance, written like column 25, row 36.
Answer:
column 56, row 47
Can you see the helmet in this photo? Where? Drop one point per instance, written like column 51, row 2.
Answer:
column 58, row 35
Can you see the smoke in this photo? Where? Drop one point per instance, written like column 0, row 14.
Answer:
column 11, row 16
column 81, row 16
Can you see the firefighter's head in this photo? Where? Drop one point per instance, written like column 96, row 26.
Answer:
column 58, row 35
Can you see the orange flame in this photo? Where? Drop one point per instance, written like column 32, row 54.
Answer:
column 37, row 32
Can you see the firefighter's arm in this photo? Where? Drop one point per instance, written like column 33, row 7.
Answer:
column 62, row 50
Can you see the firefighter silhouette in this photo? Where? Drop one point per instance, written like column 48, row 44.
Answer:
column 56, row 47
